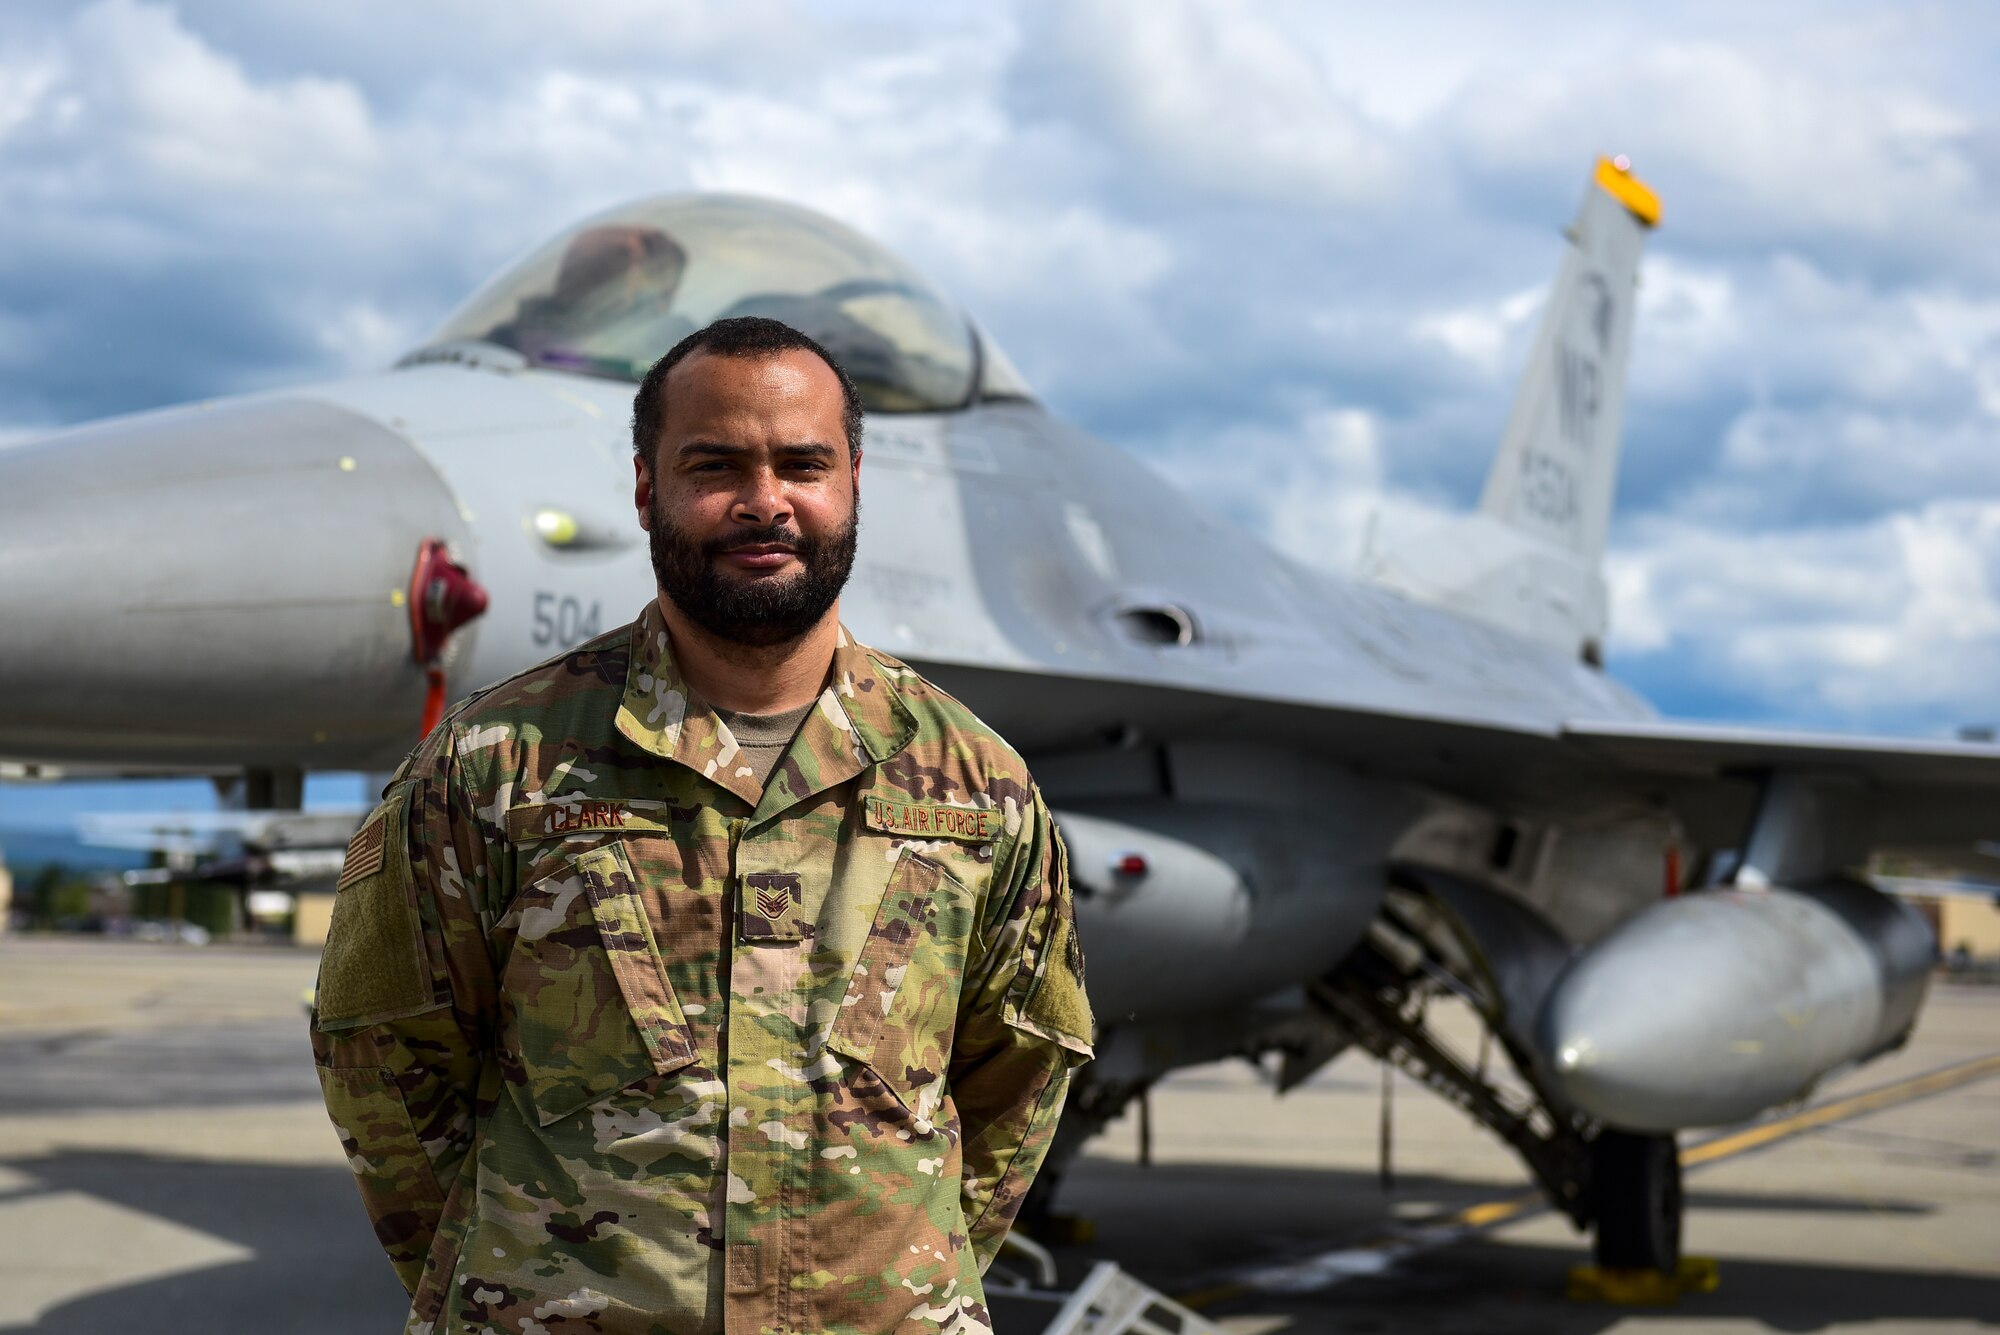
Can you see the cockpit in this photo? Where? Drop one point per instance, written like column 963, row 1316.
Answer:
column 611, row 296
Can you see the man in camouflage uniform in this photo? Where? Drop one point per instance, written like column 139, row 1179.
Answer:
column 717, row 975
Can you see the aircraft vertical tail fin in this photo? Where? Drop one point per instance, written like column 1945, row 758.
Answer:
column 1529, row 560
column 1558, row 462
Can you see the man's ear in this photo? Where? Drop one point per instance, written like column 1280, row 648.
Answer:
column 854, row 469
column 642, row 490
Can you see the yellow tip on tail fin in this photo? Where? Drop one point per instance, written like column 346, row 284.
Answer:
column 1618, row 182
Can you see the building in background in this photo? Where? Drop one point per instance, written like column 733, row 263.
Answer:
column 1969, row 930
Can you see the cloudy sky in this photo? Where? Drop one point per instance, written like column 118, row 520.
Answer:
column 1290, row 253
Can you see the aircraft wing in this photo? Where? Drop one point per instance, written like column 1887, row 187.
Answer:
column 212, row 831
column 25, row 770
column 1925, row 887
column 1710, row 751
column 1912, row 794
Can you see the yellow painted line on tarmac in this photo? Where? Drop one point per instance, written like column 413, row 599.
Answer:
column 1840, row 1110
column 1488, row 1213
column 1454, row 1226
column 1210, row 1296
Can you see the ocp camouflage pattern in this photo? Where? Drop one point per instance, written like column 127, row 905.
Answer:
column 616, row 1042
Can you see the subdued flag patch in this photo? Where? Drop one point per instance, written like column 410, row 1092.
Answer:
column 364, row 852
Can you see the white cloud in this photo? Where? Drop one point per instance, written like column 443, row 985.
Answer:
column 24, row 85
column 1223, row 96
column 1747, row 144
column 1105, row 270
column 1640, row 623
column 1893, row 618
column 189, row 116
column 1965, row 335
column 361, row 336
column 1850, row 398
column 1481, row 334
column 1317, row 490
column 1689, row 319
column 1294, row 255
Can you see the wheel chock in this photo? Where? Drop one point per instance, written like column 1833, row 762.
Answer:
column 1643, row 1288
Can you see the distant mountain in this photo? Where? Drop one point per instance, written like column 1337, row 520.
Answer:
column 25, row 851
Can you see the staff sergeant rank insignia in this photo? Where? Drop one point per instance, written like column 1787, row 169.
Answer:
column 771, row 906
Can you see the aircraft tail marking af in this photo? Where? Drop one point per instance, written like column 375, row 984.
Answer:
column 1557, row 467
column 1529, row 561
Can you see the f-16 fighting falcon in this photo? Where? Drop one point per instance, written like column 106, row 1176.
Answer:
column 1297, row 806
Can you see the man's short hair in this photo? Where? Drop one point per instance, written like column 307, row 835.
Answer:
column 738, row 336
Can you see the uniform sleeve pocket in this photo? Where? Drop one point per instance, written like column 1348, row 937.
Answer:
column 389, row 1161
column 589, row 1006
column 899, row 1012
column 1056, row 1007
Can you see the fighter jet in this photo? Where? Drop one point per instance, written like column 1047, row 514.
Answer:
column 1299, row 806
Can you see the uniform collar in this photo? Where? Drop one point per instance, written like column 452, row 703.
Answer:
column 861, row 719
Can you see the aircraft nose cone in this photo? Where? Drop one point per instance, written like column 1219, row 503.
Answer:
column 214, row 585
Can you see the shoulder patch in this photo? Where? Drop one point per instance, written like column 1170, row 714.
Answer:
column 373, row 967
column 934, row 820
column 1058, row 1005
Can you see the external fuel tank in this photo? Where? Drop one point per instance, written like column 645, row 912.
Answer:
column 1707, row 1009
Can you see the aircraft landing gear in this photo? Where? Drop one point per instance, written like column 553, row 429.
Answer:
column 1623, row 1185
column 1636, row 1188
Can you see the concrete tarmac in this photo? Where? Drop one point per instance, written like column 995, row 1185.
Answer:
column 165, row 1166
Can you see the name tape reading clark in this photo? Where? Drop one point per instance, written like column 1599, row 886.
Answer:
column 922, row 820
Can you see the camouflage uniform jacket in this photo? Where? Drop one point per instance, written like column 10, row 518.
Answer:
column 615, row 1042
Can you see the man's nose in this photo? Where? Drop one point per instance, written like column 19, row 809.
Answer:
column 762, row 500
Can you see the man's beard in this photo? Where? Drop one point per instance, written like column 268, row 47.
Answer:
column 757, row 612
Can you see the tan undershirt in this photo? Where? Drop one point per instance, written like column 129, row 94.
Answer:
column 763, row 739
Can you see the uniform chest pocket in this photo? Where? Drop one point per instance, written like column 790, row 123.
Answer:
column 900, row 1010
column 589, row 1009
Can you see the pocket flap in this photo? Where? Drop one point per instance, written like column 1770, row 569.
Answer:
column 884, row 964
column 592, row 1008
column 635, row 958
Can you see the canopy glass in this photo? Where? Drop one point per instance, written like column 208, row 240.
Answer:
column 612, row 295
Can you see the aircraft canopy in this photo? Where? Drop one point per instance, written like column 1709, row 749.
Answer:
column 612, row 295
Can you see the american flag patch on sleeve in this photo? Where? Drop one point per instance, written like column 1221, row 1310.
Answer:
column 364, row 851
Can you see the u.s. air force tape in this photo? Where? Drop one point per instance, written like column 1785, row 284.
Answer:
column 934, row 820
